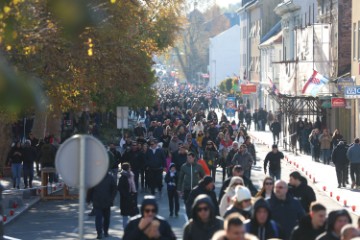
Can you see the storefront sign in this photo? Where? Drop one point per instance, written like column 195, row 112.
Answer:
column 248, row 89
column 338, row 102
column 352, row 92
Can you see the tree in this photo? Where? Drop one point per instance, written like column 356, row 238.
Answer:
column 83, row 54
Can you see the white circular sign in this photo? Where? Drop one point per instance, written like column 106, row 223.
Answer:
column 67, row 161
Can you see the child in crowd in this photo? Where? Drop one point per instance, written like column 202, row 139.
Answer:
column 171, row 180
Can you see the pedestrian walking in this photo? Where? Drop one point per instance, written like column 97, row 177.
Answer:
column 314, row 140
column 325, row 146
column 267, row 189
column 274, row 159
column 285, row 210
column 336, row 221
column 148, row 225
column 102, row 197
column 155, row 163
column 29, row 157
column 15, row 160
column 260, row 224
column 135, row 158
column 341, row 163
column 211, row 157
column 128, row 194
column 275, row 128
column 244, row 159
column 301, row 191
column 189, row 176
column 312, row 225
column 171, row 179
column 353, row 154
column 206, row 186
column 204, row 221
column 241, row 203
column 229, row 194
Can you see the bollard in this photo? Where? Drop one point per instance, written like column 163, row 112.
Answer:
column 331, row 194
column 345, row 203
column 324, row 188
column 338, row 198
column 11, row 213
column 353, row 207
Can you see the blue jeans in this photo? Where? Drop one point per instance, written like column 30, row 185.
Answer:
column 102, row 220
column 16, row 173
column 275, row 174
column 325, row 154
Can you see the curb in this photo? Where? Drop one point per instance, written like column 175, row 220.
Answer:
column 21, row 210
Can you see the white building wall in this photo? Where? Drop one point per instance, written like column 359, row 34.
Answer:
column 224, row 55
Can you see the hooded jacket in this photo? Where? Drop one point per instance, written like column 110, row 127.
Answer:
column 304, row 193
column 244, row 159
column 329, row 234
column 201, row 190
column 195, row 229
column 103, row 194
column 286, row 212
column 189, row 176
column 305, row 230
column 132, row 230
column 269, row 230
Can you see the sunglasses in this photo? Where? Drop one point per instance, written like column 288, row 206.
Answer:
column 152, row 210
column 200, row 209
column 269, row 183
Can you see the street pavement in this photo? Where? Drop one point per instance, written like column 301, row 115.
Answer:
column 59, row 219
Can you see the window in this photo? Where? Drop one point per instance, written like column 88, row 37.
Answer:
column 354, row 42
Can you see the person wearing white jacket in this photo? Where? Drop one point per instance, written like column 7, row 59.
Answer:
column 229, row 194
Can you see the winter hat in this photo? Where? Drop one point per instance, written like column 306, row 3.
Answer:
column 206, row 180
column 242, row 193
column 149, row 200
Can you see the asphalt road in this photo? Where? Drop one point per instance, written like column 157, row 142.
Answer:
column 59, row 219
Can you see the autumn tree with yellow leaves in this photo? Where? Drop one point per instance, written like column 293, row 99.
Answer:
column 68, row 55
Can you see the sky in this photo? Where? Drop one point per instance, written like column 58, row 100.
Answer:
column 225, row 3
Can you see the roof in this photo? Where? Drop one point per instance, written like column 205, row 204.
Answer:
column 273, row 31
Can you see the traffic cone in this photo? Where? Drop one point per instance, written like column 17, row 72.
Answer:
column 353, row 207
column 11, row 213
column 337, row 197
column 324, row 188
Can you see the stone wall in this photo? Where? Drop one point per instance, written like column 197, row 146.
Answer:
column 344, row 33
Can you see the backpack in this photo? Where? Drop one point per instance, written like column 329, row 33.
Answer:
column 273, row 226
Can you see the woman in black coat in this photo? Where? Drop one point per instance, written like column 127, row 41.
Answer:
column 128, row 194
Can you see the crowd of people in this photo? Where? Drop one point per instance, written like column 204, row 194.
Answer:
column 180, row 145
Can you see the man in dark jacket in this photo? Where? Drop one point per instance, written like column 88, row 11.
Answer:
column 275, row 128
column 148, row 225
column 243, row 158
column 285, row 210
column 341, row 162
column 274, row 159
column 312, row 225
column 260, row 223
column 29, row 157
column 301, row 191
column 102, row 198
column 336, row 220
column 206, row 186
column 135, row 157
column 230, row 156
column 155, row 163
column 115, row 157
column 204, row 222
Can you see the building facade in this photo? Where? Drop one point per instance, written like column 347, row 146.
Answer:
column 355, row 64
column 224, row 55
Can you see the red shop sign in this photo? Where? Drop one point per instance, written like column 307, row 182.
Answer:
column 248, row 88
column 338, row 102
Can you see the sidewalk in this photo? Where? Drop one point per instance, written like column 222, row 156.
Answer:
column 322, row 176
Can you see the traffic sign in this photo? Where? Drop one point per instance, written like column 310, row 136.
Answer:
column 67, row 161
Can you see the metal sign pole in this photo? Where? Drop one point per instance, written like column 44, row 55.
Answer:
column 82, row 188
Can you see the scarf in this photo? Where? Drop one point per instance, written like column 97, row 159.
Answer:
column 130, row 177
